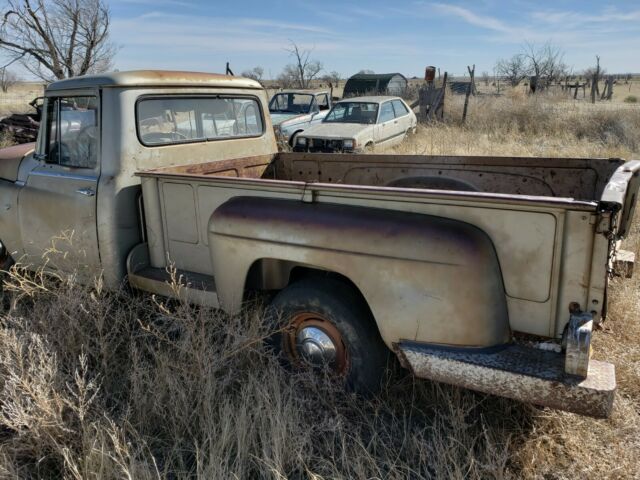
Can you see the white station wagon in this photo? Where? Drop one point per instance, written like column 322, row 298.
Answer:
column 359, row 124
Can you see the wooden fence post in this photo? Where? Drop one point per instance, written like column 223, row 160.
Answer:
column 469, row 89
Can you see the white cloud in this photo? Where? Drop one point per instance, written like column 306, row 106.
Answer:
column 483, row 21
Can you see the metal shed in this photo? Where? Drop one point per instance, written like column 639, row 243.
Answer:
column 375, row 83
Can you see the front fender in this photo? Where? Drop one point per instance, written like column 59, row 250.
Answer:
column 425, row 278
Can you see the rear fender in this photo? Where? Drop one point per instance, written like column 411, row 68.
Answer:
column 425, row 278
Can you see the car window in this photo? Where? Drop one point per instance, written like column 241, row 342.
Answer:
column 291, row 103
column 400, row 108
column 170, row 120
column 323, row 102
column 72, row 131
column 353, row 112
column 386, row 112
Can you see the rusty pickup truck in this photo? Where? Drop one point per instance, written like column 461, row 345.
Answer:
column 484, row 272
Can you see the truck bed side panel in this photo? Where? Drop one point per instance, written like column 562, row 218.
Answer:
column 425, row 278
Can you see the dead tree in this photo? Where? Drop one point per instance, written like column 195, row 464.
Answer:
column 514, row 69
column 56, row 39
column 304, row 70
column 7, row 79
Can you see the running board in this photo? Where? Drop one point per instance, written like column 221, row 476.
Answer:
column 521, row 373
column 191, row 287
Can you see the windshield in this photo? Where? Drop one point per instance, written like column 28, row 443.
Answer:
column 353, row 112
column 291, row 103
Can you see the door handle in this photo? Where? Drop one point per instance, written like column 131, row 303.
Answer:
column 86, row 192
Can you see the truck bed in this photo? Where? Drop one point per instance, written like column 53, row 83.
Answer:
column 540, row 213
column 569, row 178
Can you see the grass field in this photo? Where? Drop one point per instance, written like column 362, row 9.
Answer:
column 113, row 385
column 17, row 98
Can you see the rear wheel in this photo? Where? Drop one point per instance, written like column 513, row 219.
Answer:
column 323, row 323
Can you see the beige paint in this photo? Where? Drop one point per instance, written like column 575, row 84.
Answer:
column 544, row 244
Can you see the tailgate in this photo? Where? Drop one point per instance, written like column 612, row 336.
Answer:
column 620, row 195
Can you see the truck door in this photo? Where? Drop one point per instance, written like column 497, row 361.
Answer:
column 57, row 205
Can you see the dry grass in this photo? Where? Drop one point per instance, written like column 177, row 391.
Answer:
column 539, row 126
column 17, row 98
column 99, row 384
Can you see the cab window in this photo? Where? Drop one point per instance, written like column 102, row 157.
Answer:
column 172, row 120
column 72, row 131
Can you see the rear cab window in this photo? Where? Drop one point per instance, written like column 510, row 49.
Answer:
column 173, row 120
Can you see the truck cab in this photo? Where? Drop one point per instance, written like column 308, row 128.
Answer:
column 75, row 188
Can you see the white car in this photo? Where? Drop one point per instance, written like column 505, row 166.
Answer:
column 292, row 111
column 359, row 124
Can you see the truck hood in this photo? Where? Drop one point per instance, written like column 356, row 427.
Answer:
column 278, row 118
column 337, row 130
column 10, row 159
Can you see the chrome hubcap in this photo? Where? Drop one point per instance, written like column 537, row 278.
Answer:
column 315, row 346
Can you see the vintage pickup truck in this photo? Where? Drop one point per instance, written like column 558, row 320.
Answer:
column 484, row 272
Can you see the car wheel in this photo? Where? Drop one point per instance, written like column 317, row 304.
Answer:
column 322, row 323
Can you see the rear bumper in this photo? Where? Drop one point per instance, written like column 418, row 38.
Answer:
column 521, row 373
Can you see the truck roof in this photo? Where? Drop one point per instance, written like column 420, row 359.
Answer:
column 154, row 78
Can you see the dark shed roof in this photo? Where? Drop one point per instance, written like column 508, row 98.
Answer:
column 370, row 82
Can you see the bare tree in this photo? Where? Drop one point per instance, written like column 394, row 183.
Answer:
column 485, row 78
column 332, row 78
column 305, row 69
column 288, row 78
column 544, row 63
column 7, row 79
column 255, row 73
column 513, row 69
column 56, row 39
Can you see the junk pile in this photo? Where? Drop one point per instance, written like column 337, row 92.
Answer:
column 23, row 127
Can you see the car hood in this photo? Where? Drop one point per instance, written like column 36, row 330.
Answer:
column 337, row 130
column 278, row 118
column 10, row 159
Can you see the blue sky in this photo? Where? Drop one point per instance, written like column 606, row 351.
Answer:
column 383, row 36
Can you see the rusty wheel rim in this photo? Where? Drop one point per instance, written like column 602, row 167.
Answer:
column 311, row 339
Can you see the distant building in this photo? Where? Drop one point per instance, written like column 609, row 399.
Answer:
column 375, row 83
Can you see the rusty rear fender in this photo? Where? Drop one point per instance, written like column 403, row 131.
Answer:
column 425, row 278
